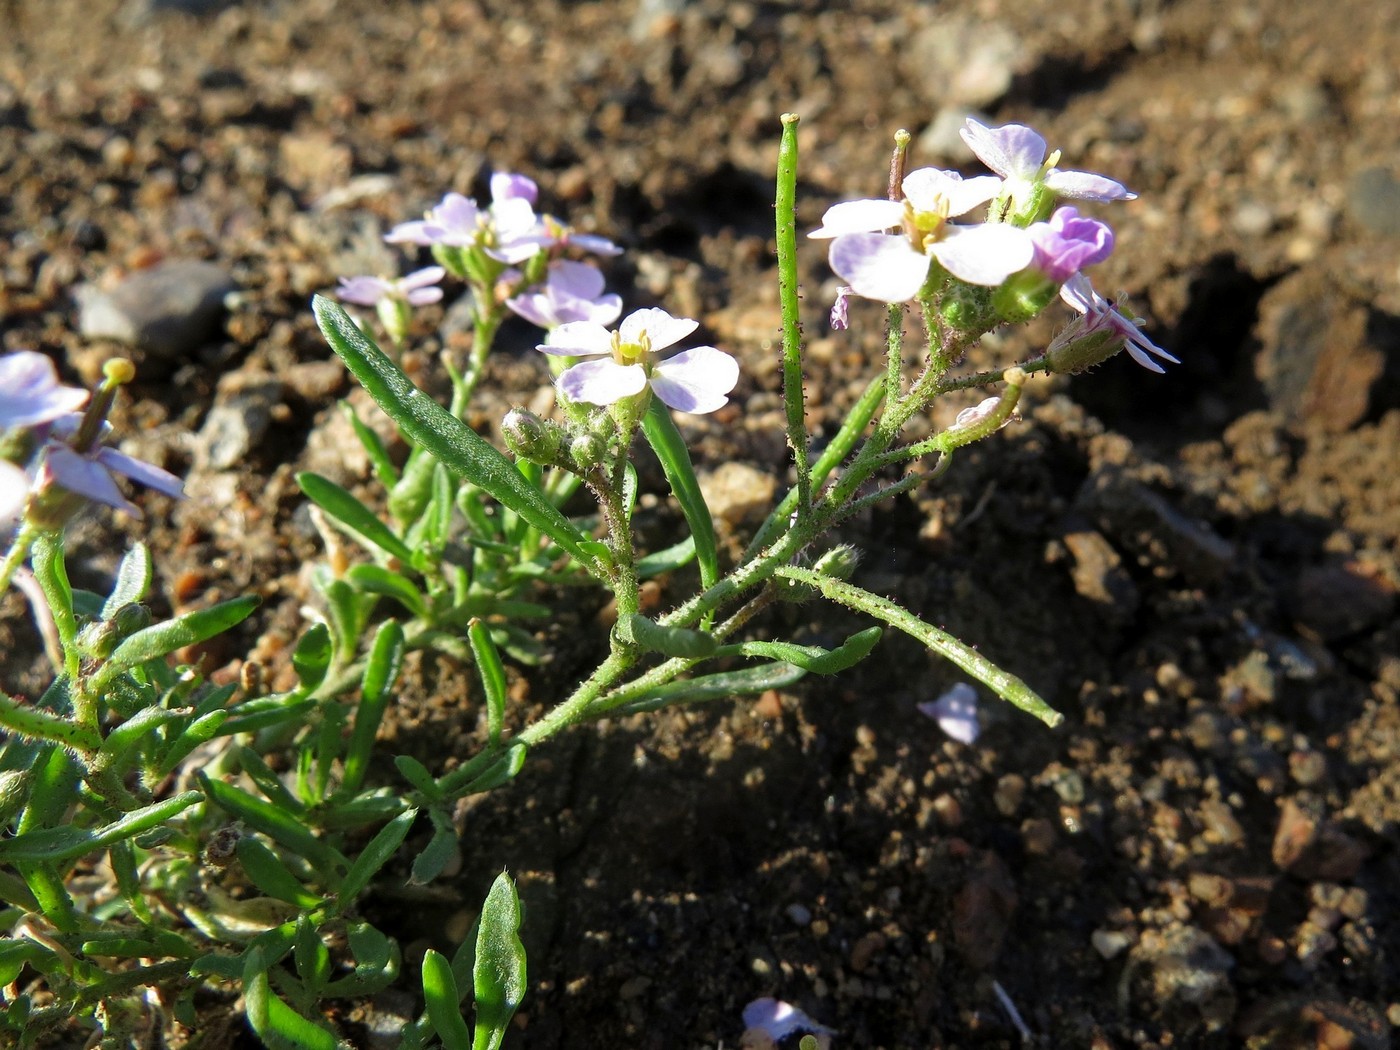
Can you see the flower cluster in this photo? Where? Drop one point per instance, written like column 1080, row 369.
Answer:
column 514, row 257
column 904, row 250
column 695, row 380
column 52, row 453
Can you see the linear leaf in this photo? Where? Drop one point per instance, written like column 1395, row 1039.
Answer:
column 666, row 441
column 429, row 425
column 746, row 680
column 132, row 583
column 267, row 872
column 378, row 853
column 814, row 658
column 444, row 1002
column 277, row 1024
column 281, row 827
column 498, row 975
column 353, row 514
column 163, row 638
column 60, row 844
column 493, row 676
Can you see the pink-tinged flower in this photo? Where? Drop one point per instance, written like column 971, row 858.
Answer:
column 1068, row 243
column 572, row 291
column 90, row 474
column 780, row 1020
column 30, row 393
column 892, row 267
column 1017, row 154
column 507, row 230
column 841, row 309
column 418, row 288
column 562, row 235
column 696, row 380
column 1101, row 316
column 955, row 712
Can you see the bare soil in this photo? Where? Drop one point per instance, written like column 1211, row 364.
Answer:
column 1199, row 568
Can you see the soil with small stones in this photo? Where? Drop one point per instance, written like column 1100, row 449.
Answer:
column 1199, row 569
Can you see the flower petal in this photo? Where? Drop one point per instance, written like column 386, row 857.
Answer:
column 576, row 279
column 417, row 232
column 661, row 328
column 986, row 254
column 30, row 393
column 1086, row 186
column 138, row 470
column 928, row 189
column 505, row 186
column 362, row 291
column 956, row 713
column 1012, row 150
column 879, row 266
column 577, row 339
column 863, row 216
column 696, row 380
column 602, row 382
column 78, row 474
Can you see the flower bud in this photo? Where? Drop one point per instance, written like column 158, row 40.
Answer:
column 587, row 451
column 839, row 563
column 532, row 438
column 14, row 792
column 1023, row 295
column 966, row 308
column 1074, row 355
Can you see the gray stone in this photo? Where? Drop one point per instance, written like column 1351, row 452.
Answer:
column 167, row 311
column 236, row 424
column 962, row 61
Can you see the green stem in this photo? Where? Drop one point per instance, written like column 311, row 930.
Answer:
column 793, row 395
column 1003, row 683
column 19, row 550
column 36, row 724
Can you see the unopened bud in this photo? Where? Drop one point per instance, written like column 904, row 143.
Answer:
column 532, row 438
column 968, row 308
column 119, row 371
column 14, row 792
column 587, row 450
column 1023, row 295
column 1075, row 355
column 839, row 562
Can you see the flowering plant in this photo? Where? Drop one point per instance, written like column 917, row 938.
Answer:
column 227, row 871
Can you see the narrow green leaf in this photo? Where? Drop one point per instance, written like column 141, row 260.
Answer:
column 311, row 659
column 377, row 962
column 277, row 825
column 417, row 774
column 362, row 522
column 51, row 894
column 135, row 730
column 275, row 1023
column 668, row 560
column 162, row 639
column 198, row 732
column 60, row 844
column 375, row 579
column 666, row 441
column 380, row 850
column 492, row 776
column 429, row 425
column 441, row 848
column 20, row 952
column 493, row 677
column 264, row 712
column 381, row 671
column 498, row 975
column 814, row 658
column 669, row 641
column 379, row 459
column 34, row 723
column 268, row 782
column 311, row 958
column 132, row 583
column 745, row 681
column 444, row 1002
column 1003, row 683
column 52, row 791
column 267, row 872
